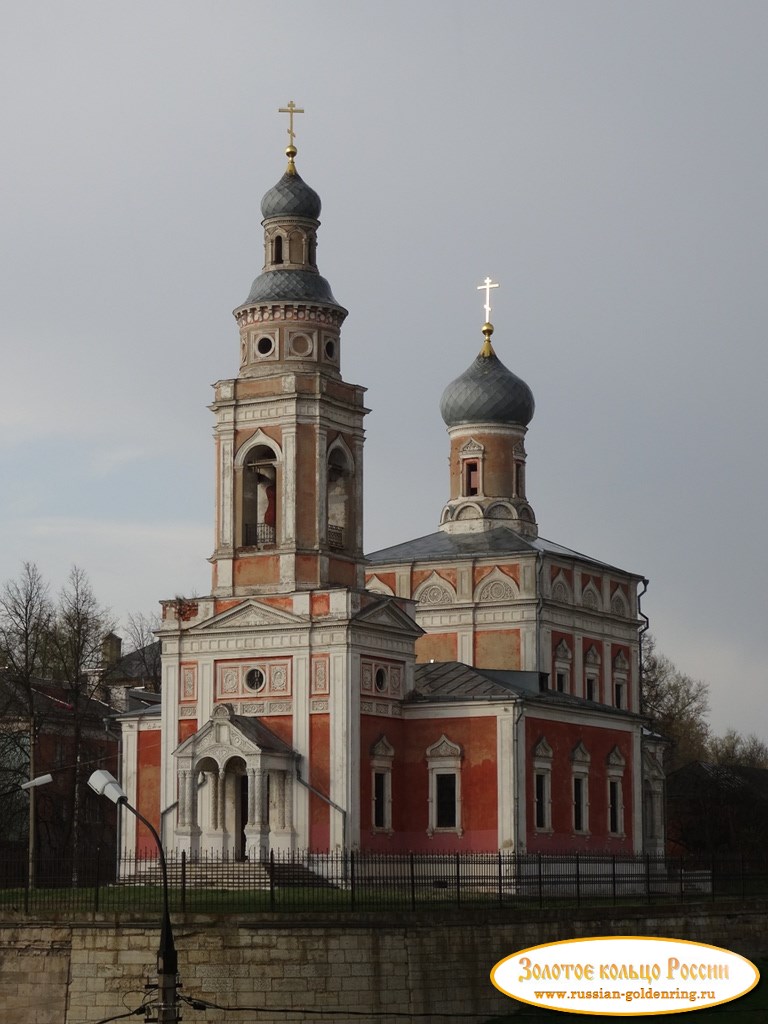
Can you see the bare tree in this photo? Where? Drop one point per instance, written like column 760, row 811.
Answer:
column 142, row 642
column 734, row 749
column 79, row 628
column 25, row 631
column 676, row 704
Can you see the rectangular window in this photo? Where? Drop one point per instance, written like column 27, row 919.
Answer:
column 561, row 682
column 614, row 806
column 472, row 480
column 578, row 804
column 445, row 797
column 541, row 800
column 619, row 690
column 591, row 688
column 379, row 800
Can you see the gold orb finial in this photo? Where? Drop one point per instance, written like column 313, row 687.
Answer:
column 290, row 152
column 487, row 349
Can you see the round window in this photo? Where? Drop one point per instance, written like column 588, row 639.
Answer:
column 301, row 345
column 255, row 679
column 330, row 350
column 381, row 679
column 265, row 346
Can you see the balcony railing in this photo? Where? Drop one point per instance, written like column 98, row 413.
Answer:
column 336, row 536
column 259, row 535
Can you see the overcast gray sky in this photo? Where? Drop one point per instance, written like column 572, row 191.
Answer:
column 604, row 161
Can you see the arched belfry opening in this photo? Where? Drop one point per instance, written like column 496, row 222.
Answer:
column 339, row 496
column 260, row 499
column 278, row 249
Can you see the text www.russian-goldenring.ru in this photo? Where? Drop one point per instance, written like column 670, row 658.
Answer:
column 628, row 997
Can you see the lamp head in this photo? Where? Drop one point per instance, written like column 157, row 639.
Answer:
column 104, row 784
column 41, row 780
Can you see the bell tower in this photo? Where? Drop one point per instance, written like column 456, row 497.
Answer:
column 289, row 430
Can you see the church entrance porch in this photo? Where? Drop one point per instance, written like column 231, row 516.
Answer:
column 235, row 786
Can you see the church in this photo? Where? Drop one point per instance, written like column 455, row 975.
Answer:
column 473, row 690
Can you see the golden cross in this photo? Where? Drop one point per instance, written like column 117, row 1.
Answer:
column 486, row 287
column 290, row 110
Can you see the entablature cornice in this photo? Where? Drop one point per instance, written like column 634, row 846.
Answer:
column 291, row 312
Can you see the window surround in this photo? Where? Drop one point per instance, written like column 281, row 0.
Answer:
column 444, row 758
column 562, row 668
column 620, row 682
column 382, row 756
column 615, row 793
column 592, row 662
column 542, row 790
column 471, row 458
column 580, row 761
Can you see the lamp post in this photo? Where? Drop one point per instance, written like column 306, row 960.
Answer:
column 104, row 784
column 40, row 780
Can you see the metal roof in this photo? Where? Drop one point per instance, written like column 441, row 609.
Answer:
column 290, row 286
column 442, row 546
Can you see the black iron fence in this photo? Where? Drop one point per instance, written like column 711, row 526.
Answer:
column 351, row 880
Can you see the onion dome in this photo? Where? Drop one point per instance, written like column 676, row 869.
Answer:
column 291, row 197
column 487, row 392
column 290, row 286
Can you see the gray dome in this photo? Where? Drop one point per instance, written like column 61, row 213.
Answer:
column 290, row 286
column 291, row 197
column 487, row 392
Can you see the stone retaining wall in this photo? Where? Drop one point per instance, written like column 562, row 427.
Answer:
column 88, row 969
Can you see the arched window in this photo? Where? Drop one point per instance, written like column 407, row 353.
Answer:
column 278, row 249
column 259, row 496
column 339, row 495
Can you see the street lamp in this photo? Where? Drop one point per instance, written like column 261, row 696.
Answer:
column 104, row 784
column 40, row 780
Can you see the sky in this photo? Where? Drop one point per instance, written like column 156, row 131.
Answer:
column 605, row 162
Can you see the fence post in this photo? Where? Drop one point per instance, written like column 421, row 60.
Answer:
column 352, row 877
column 501, row 884
column 682, row 884
column 613, row 878
column 458, row 880
column 27, row 880
column 648, row 878
column 413, row 881
column 578, row 882
column 271, row 879
column 96, row 887
column 541, row 889
column 183, row 881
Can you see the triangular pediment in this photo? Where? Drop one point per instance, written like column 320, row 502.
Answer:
column 250, row 615
column 219, row 732
column 388, row 614
column 226, row 735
